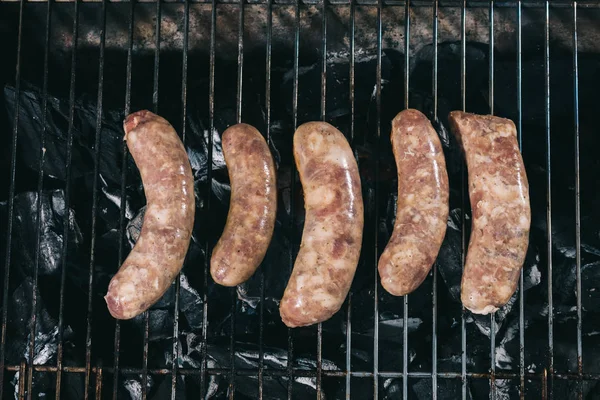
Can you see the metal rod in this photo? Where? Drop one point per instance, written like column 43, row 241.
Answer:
column 473, row 4
column 520, row 140
column 231, row 389
column 323, row 118
column 240, row 62
column 239, row 98
column 22, row 379
column 435, row 34
column 406, row 53
column 323, row 59
column 577, row 200
column 184, row 81
column 123, row 202
column 40, row 185
column 301, row 372
column 261, row 306
column 491, row 57
column 352, row 116
column 11, row 196
column 207, row 248
column 406, row 105
column 493, row 393
column 548, row 198
column 63, row 275
column 146, row 314
column 290, row 355
column 98, row 383
column 376, row 202
column 463, row 91
column 97, row 144
column 434, row 85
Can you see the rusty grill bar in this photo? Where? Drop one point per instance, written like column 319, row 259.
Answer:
column 98, row 373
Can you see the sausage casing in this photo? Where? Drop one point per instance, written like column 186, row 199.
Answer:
column 252, row 208
column 332, row 236
column 422, row 205
column 160, row 250
column 499, row 194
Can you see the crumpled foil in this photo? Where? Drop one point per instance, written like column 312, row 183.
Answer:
column 238, row 311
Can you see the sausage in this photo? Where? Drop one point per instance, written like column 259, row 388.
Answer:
column 159, row 252
column 252, row 208
column 332, row 236
column 422, row 205
column 499, row 194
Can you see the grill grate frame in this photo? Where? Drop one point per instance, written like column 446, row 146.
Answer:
column 27, row 368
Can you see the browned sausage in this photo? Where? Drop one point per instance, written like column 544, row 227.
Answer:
column 499, row 194
column 158, row 255
column 333, row 226
column 422, row 206
column 252, row 207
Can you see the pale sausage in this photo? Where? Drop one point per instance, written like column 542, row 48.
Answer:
column 252, row 207
column 499, row 194
column 333, row 226
column 159, row 252
column 422, row 205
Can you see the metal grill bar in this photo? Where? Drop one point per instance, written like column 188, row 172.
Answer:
column 22, row 380
column 548, row 196
column 207, row 248
column 261, row 310
column 99, row 384
column 520, row 140
column 473, row 4
column 184, row 82
column 33, row 318
column 88, row 351
column 155, row 88
column 11, row 198
column 463, row 185
column 299, row 372
column 493, row 391
column 534, row 4
column 323, row 117
column 434, row 371
column 290, row 355
column 577, row 200
column 239, row 94
column 376, row 211
column 406, row 105
column 123, row 203
column 352, row 144
column 59, row 351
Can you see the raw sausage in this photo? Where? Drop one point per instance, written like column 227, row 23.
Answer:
column 332, row 236
column 252, row 207
column 422, row 205
column 499, row 194
column 159, row 252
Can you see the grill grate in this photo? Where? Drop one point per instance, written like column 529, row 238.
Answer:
column 28, row 368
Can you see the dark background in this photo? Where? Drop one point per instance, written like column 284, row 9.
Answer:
column 242, row 317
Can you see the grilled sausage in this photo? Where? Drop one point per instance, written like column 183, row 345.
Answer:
column 252, row 207
column 158, row 255
column 332, row 236
column 499, row 194
column 422, row 205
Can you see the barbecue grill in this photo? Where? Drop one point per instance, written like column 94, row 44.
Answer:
column 71, row 201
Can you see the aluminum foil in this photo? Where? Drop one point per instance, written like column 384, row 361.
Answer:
column 237, row 311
